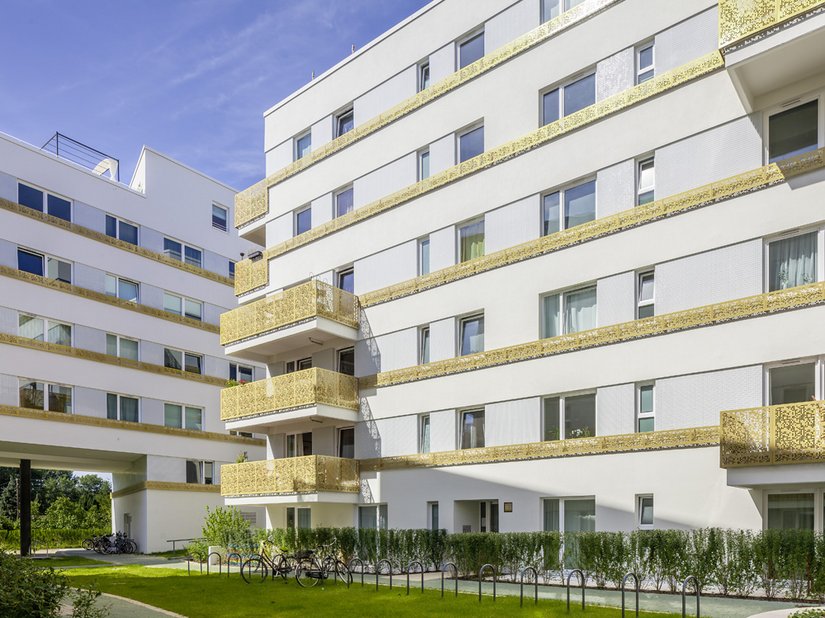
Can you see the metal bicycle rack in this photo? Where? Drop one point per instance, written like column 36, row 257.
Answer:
column 420, row 564
column 624, row 581
column 581, row 579
column 229, row 562
column 535, row 586
column 361, row 564
column 378, row 570
column 220, row 562
column 698, row 593
column 480, row 573
column 444, row 568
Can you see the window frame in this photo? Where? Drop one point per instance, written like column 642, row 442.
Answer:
column 296, row 156
column 818, row 96
column 819, row 370
column 47, row 384
column 238, row 367
column 422, row 82
column 293, row 513
column 120, row 397
column 118, row 235
column 640, row 73
column 818, row 504
column 225, row 209
column 463, row 225
column 564, row 6
column 118, row 339
column 433, row 515
column 182, row 410
column 339, row 116
column 563, row 414
column 381, row 516
column 183, row 300
column 641, row 415
column 640, row 304
column 45, row 260
column 47, row 324
column 200, row 468
column 44, row 205
column 420, row 155
column 561, row 500
column 338, row 193
column 424, row 331
column 562, row 294
column 462, row 414
column 563, row 216
column 118, row 280
column 464, row 132
column 640, row 499
column 298, row 437
column 420, row 247
column 461, row 42
column 184, row 355
column 641, row 191
column 424, row 420
column 183, row 247
column 339, row 443
column 462, row 322
column 561, row 87
column 800, row 231
column 338, row 364
column 297, row 213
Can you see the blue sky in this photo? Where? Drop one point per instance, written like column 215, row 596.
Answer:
column 190, row 78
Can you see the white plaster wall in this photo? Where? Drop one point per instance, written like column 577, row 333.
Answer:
column 615, row 409
column 616, row 188
column 512, row 224
column 442, row 248
column 615, row 73
column 386, row 95
column 512, row 422
column 615, row 299
column 385, row 268
column 687, row 40
column 510, row 24
column 385, row 180
column 443, row 427
column 391, row 351
column 442, row 62
column 443, row 338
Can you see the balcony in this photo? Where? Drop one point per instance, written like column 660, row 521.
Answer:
column 316, row 478
column 310, row 394
column 769, row 44
column 311, row 313
column 773, row 435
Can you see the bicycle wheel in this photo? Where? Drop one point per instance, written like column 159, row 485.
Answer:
column 254, row 569
column 343, row 573
column 284, row 566
column 308, row 572
column 133, row 548
column 88, row 544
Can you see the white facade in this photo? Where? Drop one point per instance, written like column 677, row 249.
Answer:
column 108, row 359
column 666, row 108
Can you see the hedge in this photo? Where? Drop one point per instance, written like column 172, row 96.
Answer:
column 51, row 538
column 773, row 563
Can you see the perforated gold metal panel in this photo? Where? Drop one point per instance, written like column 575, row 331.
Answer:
column 744, row 19
column 290, row 475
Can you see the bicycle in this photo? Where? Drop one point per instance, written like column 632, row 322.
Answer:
column 310, row 570
column 270, row 561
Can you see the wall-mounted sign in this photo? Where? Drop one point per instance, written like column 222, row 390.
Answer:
column 508, row 507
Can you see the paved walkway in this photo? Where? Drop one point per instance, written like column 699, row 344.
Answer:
column 111, row 559
column 120, row 607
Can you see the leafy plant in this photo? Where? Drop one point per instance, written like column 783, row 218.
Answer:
column 226, row 527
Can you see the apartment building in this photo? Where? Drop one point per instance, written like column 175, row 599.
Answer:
column 543, row 264
column 110, row 361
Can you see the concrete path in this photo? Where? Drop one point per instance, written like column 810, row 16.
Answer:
column 120, row 607
column 111, row 559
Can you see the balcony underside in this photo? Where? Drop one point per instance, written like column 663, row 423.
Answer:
column 792, row 54
column 315, row 332
column 262, row 423
column 767, row 477
column 324, row 497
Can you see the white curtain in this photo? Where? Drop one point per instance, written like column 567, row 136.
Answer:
column 793, row 262
column 580, row 310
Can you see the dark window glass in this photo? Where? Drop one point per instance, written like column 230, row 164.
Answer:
column 580, row 204
column 793, row 131
column 231, row 269
column 111, row 406
column 470, row 50
column 550, row 106
column 345, row 123
column 128, row 232
column 30, row 262
column 471, row 144
column 191, row 471
column 346, row 280
column 346, row 443
column 579, row 94
column 172, row 248
column 343, row 202
column 219, row 217
column 60, row 208
column 303, row 219
column 29, row 196
column 111, row 226
column 550, row 213
column 346, row 361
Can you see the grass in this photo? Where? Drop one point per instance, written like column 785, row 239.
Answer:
column 205, row 596
column 65, row 561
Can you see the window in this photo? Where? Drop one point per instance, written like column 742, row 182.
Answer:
column 299, row 365
column 644, row 511
column 470, row 144
column 792, row 261
column 179, row 251
column 122, row 408
column 299, row 444
column 423, row 76
column 343, row 202
column 645, row 63
column 344, row 122
column 646, row 189
column 177, row 359
column 181, row 305
column 568, row 99
column 552, row 8
column 471, row 335
column 569, row 312
column 117, row 228
column 793, row 131
column 122, row 347
column 231, row 269
column 790, row 511
column 220, row 216
column 471, row 240
column 569, row 515
column 303, row 221
column 470, row 49
column 570, row 416
column 182, row 417
column 346, row 361
column 201, row 472
column 44, row 266
column 424, row 345
column 346, row 442
column 373, row 517
column 645, row 415
column 240, row 373
column 423, row 165
column 33, row 394
column 303, row 145
column 424, row 433
column 345, row 280
column 34, row 199
column 579, row 207
column 122, row 288
column 432, row 515
column 424, row 256
column 472, row 429
column 792, row 383
column 298, row 517
column 41, row 329
column 645, row 300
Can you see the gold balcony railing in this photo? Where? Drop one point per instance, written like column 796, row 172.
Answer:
column 742, row 19
column 290, row 391
column 314, row 299
column 785, row 434
column 291, row 475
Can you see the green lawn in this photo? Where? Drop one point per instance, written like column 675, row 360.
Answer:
column 71, row 561
column 205, row 596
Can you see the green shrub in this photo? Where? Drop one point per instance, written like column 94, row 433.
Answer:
column 29, row 591
column 226, row 527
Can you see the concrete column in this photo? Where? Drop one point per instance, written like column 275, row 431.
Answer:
column 25, row 505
